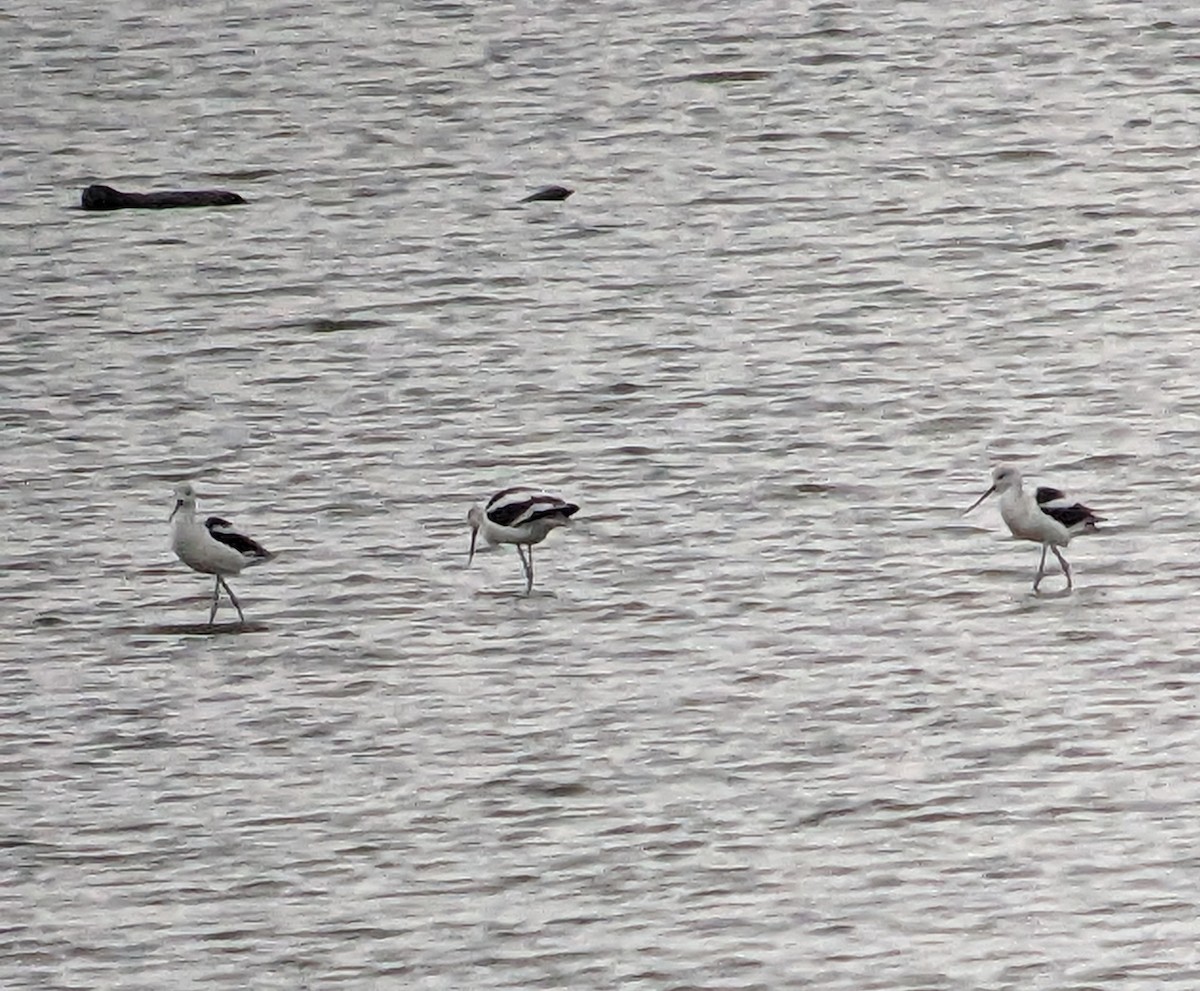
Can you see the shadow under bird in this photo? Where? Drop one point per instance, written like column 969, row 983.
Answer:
column 520, row 516
column 213, row 547
column 1047, row 517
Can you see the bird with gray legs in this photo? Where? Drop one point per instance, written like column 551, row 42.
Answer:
column 212, row 547
column 1047, row 517
column 520, row 516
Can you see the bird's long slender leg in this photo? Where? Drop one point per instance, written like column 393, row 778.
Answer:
column 1041, row 571
column 1066, row 567
column 233, row 599
column 216, row 599
column 527, row 566
column 524, row 565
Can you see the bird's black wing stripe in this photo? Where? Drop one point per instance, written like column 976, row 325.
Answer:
column 513, row 513
column 505, row 493
column 1070, row 516
column 536, row 507
column 1047, row 494
column 566, row 509
column 222, row 530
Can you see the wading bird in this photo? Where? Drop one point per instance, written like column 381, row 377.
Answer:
column 1048, row 517
column 212, row 547
column 519, row 516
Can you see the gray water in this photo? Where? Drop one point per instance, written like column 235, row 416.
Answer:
column 777, row 714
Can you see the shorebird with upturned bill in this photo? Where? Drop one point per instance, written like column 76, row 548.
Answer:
column 213, row 547
column 1047, row 517
column 520, row 516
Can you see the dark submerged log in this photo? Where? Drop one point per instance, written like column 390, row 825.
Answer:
column 99, row 197
column 548, row 193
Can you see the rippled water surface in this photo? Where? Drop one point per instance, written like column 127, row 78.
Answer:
column 776, row 714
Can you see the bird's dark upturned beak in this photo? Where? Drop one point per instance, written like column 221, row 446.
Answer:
column 980, row 499
column 474, row 534
column 178, row 506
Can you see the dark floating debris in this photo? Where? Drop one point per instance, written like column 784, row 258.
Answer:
column 548, row 193
column 99, row 197
column 728, row 76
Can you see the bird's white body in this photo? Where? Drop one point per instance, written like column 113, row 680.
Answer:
column 519, row 516
column 1026, row 521
column 196, row 547
column 533, row 532
column 211, row 547
column 1048, row 518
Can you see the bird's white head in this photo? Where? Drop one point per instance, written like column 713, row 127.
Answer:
column 1004, row 477
column 475, row 518
column 185, row 495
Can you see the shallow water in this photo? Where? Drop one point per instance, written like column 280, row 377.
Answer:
column 777, row 714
